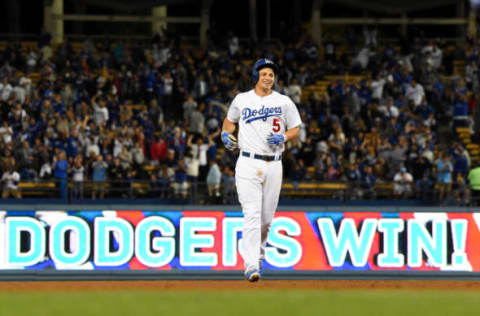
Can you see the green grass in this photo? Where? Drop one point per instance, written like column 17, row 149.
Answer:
column 242, row 303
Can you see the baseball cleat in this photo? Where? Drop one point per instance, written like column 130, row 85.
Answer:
column 253, row 276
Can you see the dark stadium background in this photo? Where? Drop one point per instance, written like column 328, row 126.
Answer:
column 26, row 17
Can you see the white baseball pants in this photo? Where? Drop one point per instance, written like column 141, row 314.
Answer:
column 258, row 185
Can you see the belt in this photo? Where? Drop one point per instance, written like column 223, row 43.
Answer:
column 261, row 157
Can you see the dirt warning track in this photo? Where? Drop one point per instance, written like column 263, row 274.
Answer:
column 56, row 286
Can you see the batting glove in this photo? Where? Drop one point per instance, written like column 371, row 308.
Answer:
column 229, row 141
column 276, row 139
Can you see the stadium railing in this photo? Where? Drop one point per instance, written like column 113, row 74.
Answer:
column 199, row 193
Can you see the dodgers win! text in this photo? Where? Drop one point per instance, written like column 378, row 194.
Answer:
column 212, row 240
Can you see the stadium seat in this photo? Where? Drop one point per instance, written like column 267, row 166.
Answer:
column 313, row 189
column 463, row 130
column 37, row 188
column 384, row 190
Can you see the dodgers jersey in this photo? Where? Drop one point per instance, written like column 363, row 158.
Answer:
column 258, row 117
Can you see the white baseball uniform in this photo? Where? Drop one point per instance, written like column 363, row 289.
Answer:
column 259, row 171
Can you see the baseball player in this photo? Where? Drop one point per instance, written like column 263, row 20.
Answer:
column 266, row 121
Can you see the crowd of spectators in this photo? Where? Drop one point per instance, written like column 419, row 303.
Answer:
column 111, row 113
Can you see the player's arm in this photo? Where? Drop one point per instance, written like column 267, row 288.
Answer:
column 292, row 133
column 228, row 126
column 228, row 139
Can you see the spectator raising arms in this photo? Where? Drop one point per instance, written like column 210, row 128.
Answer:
column 137, row 102
column 10, row 179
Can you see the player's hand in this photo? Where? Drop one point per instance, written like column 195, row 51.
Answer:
column 276, row 139
column 229, row 141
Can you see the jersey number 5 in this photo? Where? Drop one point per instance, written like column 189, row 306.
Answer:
column 276, row 125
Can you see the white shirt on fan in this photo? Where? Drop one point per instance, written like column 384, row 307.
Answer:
column 11, row 180
column 415, row 94
column 258, row 117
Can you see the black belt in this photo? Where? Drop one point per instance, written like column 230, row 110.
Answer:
column 261, row 157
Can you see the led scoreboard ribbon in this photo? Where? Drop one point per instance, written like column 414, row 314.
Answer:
column 313, row 241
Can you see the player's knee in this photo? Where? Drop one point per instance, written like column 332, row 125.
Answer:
column 252, row 208
column 266, row 228
column 252, row 219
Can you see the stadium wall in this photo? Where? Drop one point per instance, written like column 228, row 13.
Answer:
column 114, row 241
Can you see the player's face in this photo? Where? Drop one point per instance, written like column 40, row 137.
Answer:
column 266, row 79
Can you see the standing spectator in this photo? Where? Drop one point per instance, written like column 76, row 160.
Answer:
column 60, row 169
column 200, row 88
column 377, row 87
column 336, row 141
column 474, row 180
column 168, row 95
column 214, row 178
column 177, row 141
column 462, row 192
column 6, row 132
column 117, row 178
column 415, row 93
column 138, row 156
column 166, row 176
column 436, row 56
column 200, row 150
column 125, row 157
column 188, row 107
column 91, row 147
column 100, row 115
column 25, row 152
column 299, row 172
column 444, row 176
column 353, row 177
column 424, row 187
column 197, row 122
column 460, row 161
column 99, row 177
column 370, row 34
column 332, row 172
column 233, row 43
column 368, row 183
column 402, row 183
column 330, row 51
column 158, row 150
column 180, row 185
column 294, row 91
column 78, row 171
column 73, row 144
column 191, row 159
column 45, row 170
column 228, row 180
column 10, row 179
column 29, row 169
column 471, row 76
column 320, row 166
column 5, row 89
column 362, row 59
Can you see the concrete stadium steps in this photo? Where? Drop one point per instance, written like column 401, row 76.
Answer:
column 464, row 135
column 321, row 87
column 459, row 67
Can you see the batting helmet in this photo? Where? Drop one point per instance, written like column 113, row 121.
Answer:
column 263, row 63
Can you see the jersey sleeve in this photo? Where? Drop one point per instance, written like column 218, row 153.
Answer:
column 292, row 116
column 233, row 114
